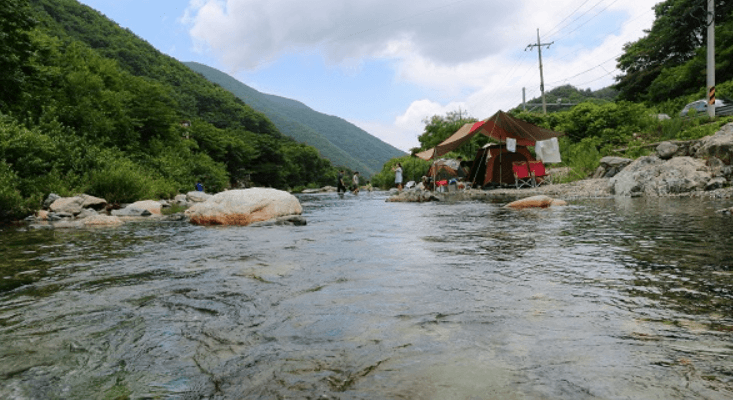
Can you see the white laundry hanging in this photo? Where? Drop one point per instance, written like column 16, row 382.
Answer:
column 511, row 144
column 548, row 150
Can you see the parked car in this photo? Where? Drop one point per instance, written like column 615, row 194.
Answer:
column 701, row 106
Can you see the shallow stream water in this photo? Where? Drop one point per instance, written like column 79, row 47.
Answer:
column 614, row 298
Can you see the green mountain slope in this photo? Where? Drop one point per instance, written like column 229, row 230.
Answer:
column 563, row 98
column 338, row 140
column 89, row 107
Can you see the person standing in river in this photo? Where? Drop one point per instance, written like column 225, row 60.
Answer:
column 340, row 184
column 398, row 175
column 355, row 179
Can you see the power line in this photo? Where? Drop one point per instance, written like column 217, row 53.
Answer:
column 589, row 19
column 551, row 31
column 581, row 15
column 586, row 71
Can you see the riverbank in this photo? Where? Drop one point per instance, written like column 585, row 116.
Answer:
column 586, row 188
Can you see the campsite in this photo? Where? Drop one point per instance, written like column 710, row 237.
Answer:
column 506, row 161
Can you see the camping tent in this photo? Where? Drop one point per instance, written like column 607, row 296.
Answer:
column 494, row 161
column 445, row 169
column 493, row 164
column 500, row 126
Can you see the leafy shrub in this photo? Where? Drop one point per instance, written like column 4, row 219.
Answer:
column 614, row 123
column 11, row 202
column 121, row 181
column 582, row 157
column 413, row 169
column 702, row 130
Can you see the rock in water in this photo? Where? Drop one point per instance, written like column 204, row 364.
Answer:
column 540, row 201
column 151, row 205
column 102, row 220
column 244, row 206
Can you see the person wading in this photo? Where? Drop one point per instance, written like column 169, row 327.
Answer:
column 340, row 184
column 398, row 175
column 355, row 179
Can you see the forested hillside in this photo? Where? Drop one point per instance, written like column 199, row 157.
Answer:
column 86, row 106
column 338, row 140
column 564, row 97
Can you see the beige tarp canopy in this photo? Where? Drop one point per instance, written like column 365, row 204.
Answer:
column 500, row 126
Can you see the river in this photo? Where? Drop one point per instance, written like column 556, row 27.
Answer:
column 612, row 298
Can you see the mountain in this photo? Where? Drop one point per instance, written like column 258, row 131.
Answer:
column 563, row 98
column 335, row 138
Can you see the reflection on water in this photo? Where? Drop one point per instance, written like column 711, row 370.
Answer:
column 606, row 298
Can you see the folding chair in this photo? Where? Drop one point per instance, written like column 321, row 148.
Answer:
column 522, row 177
column 539, row 174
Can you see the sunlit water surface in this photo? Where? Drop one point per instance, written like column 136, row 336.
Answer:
column 603, row 299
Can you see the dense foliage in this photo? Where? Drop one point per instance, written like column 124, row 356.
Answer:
column 670, row 61
column 86, row 106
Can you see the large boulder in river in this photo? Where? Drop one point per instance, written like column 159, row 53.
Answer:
column 719, row 145
column 150, row 205
column 74, row 205
column 244, row 206
column 652, row 176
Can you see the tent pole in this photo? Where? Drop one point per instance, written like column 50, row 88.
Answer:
column 435, row 174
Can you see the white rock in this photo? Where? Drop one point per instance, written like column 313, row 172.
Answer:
column 149, row 205
column 244, row 206
column 102, row 220
column 197, row 197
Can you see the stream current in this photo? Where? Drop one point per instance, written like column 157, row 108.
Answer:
column 614, row 298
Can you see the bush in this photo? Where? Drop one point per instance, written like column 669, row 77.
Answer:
column 11, row 202
column 121, row 181
column 413, row 169
column 582, row 157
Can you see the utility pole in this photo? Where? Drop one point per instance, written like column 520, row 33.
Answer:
column 711, row 58
column 524, row 99
column 542, row 79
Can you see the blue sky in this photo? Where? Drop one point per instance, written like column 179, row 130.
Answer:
column 386, row 65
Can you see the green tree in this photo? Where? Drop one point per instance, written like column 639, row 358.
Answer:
column 678, row 32
column 16, row 48
column 438, row 128
column 413, row 169
column 10, row 198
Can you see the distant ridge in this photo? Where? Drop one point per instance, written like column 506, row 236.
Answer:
column 336, row 139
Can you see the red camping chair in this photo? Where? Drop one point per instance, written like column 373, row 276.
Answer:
column 539, row 175
column 522, row 177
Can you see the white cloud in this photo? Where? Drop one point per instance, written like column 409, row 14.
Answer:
column 246, row 33
column 468, row 53
column 404, row 130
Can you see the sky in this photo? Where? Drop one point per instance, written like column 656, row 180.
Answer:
column 388, row 65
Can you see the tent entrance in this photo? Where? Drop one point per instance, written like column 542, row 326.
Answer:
column 493, row 165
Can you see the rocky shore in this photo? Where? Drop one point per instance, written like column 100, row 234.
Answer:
column 694, row 168
column 255, row 206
